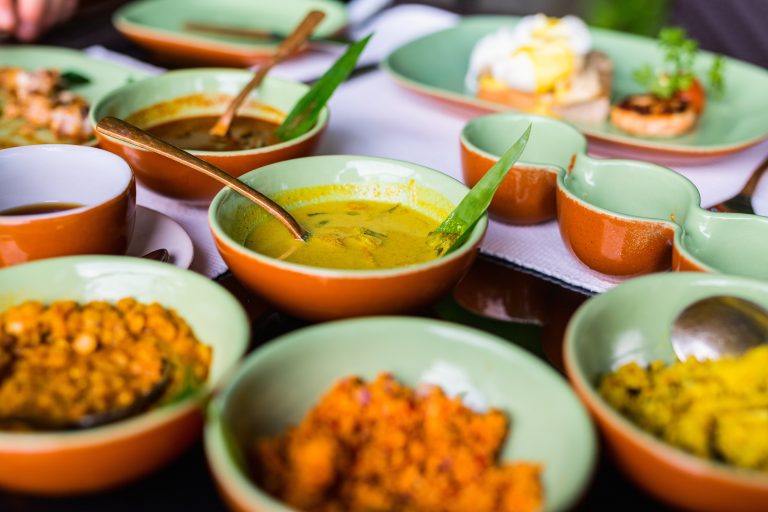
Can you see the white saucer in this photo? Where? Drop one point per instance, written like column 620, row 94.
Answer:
column 154, row 231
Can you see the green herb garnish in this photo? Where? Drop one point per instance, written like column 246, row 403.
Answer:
column 70, row 79
column 455, row 229
column 676, row 73
column 304, row 114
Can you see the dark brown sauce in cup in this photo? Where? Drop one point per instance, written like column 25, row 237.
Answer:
column 40, row 208
column 193, row 133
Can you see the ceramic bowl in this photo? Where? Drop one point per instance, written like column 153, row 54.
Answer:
column 632, row 322
column 483, row 368
column 322, row 293
column 89, row 460
column 57, row 173
column 527, row 193
column 195, row 92
column 619, row 217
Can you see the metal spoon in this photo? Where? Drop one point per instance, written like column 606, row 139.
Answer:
column 718, row 326
column 127, row 132
column 289, row 46
column 97, row 419
column 162, row 255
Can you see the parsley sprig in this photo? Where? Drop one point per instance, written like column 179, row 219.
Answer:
column 676, row 74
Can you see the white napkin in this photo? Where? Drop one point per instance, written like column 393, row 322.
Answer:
column 371, row 115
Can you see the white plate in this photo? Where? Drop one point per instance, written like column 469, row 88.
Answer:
column 154, row 231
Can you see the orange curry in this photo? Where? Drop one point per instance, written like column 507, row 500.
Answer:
column 385, row 447
column 61, row 362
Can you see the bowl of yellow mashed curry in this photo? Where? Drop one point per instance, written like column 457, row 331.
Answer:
column 369, row 250
column 693, row 433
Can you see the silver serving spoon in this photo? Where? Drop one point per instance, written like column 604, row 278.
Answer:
column 718, row 326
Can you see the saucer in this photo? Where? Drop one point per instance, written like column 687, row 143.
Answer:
column 154, row 231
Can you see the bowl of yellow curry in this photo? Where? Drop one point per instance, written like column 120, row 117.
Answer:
column 368, row 251
column 105, row 362
column 693, row 433
column 395, row 414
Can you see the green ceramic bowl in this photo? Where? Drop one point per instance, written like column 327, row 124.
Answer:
column 198, row 92
column 279, row 383
column 632, row 322
column 324, row 293
column 102, row 457
column 619, row 217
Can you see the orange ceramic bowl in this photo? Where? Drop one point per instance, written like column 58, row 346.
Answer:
column 527, row 193
column 74, row 462
column 198, row 92
column 632, row 323
column 322, row 293
column 99, row 182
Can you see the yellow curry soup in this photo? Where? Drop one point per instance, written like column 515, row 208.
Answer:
column 355, row 235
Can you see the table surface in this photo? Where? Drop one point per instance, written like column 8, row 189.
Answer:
column 522, row 308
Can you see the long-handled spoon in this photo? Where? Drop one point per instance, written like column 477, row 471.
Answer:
column 718, row 326
column 127, row 132
column 290, row 45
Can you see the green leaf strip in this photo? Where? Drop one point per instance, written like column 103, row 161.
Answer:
column 304, row 114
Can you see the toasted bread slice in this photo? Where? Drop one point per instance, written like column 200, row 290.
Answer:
column 649, row 116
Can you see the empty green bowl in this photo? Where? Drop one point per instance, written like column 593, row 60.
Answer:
column 279, row 383
column 632, row 323
column 619, row 217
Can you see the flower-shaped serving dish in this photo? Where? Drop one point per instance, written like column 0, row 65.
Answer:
column 619, row 217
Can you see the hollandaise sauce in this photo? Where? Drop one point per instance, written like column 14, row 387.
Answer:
column 355, row 235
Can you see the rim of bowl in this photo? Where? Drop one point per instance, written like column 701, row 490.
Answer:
column 233, row 480
column 695, row 466
column 638, row 218
column 468, row 142
column 322, row 119
column 120, row 162
column 218, row 232
column 682, row 247
column 48, row 440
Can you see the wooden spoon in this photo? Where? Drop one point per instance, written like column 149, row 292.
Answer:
column 127, row 132
column 290, row 45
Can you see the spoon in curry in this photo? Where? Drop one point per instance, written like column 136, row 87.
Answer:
column 141, row 403
column 127, row 132
column 288, row 47
column 719, row 326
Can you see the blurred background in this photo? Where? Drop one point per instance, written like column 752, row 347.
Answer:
column 738, row 28
column 733, row 27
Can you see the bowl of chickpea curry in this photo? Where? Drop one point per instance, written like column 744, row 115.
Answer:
column 104, row 364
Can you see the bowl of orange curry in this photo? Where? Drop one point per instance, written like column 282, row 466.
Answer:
column 105, row 362
column 181, row 106
column 397, row 414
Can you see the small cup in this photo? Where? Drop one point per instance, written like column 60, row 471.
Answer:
column 57, row 173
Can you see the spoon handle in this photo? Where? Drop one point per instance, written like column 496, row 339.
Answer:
column 286, row 48
column 126, row 132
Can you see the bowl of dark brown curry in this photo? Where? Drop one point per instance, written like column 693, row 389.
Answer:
column 180, row 107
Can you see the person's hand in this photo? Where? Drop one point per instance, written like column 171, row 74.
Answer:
column 28, row 19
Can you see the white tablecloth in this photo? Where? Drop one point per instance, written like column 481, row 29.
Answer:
column 371, row 115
